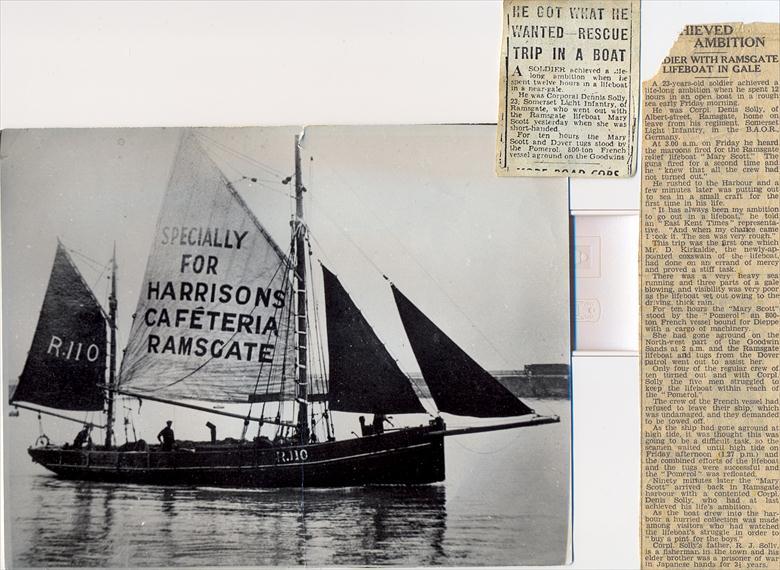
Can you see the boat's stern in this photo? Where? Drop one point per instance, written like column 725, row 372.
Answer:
column 46, row 455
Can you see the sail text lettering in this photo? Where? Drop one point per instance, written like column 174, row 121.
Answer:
column 73, row 350
column 201, row 292
column 214, row 294
column 210, row 348
column 200, row 319
column 197, row 263
column 203, row 237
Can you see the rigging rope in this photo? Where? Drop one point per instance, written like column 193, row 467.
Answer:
column 242, row 176
column 288, row 329
column 285, row 284
column 42, row 437
column 320, row 346
column 97, row 264
column 128, row 420
column 349, row 238
column 238, row 154
column 94, row 286
column 262, row 185
column 322, row 252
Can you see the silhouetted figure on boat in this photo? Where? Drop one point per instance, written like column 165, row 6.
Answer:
column 365, row 429
column 379, row 423
column 81, row 438
column 166, row 437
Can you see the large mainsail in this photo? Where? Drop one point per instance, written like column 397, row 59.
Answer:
column 458, row 384
column 66, row 365
column 363, row 377
column 212, row 320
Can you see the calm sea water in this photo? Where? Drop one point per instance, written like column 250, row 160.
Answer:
column 504, row 502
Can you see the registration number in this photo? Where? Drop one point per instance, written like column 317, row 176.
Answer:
column 290, row 455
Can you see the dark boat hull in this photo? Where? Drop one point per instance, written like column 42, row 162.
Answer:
column 411, row 456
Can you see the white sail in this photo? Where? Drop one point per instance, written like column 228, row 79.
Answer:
column 213, row 313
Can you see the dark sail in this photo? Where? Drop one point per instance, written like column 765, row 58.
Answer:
column 457, row 383
column 67, row 360
column 364, row 378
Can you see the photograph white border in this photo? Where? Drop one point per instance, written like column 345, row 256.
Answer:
column 244, row 63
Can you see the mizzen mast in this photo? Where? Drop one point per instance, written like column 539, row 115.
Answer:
column 112, row 304
column 299, row 231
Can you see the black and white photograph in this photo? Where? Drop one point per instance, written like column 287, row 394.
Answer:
column 282, row 346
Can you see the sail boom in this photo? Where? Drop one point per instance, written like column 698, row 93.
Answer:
column 61, row 416
column 280, row 397
column 202, row 408
column 535, row 421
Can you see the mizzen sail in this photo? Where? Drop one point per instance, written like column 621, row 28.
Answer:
column 212, row 321
column 457, row 383
column 363, row 377
column 66, row 365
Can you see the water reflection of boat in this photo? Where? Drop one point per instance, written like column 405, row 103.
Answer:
column 225, row 315
column 348, row 526
column 95, row 524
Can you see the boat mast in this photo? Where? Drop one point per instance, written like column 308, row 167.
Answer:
column 111, row 352
column 299, row 231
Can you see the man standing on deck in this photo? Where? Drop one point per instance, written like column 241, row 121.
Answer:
column 82, row 438
column 379, row 422
column 166, row 437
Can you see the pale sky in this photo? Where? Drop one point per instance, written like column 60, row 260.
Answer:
column 485, row 258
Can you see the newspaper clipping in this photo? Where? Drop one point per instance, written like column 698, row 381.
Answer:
column 569, row 88
column 710, row 300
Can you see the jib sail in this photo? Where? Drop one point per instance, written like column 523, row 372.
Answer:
column 363, row 377
column 457, row 383
column 212, row 321
column 66, row 365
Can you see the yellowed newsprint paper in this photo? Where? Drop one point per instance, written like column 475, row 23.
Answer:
column 569, row 88
column 710, row 301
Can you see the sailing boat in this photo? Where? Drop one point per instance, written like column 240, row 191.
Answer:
column 224, row 316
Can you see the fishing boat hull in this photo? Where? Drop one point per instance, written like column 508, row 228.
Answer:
column 413, row 456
